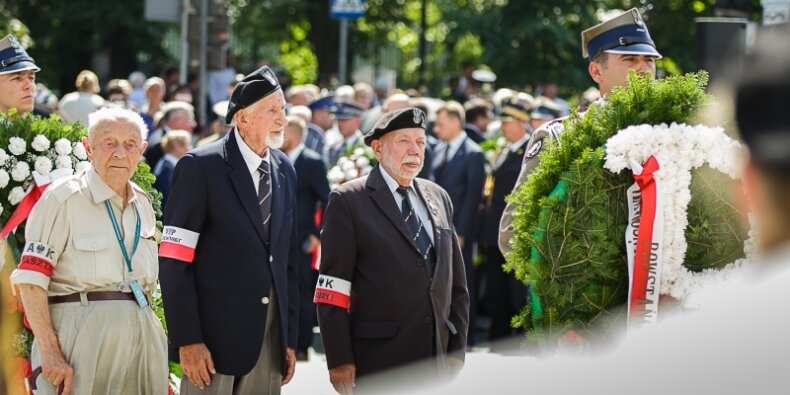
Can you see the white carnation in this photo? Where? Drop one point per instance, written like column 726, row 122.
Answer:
column 79, row 151
column 348, row 166
column 359, row 151
column 366, row 170
column 16, row 195
column 352, row 174
column 83, row 165
column 40, row 143
column 4, row 178
column 63, row 162
column 362, row 162
column 43, row 165
column 336, row 175
column 3, row 157
column 17, row 146
column 63, row 147
column 20, row 172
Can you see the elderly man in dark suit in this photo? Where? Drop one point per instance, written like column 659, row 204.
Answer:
column 392, row 288
column 312, row 193
column 459, row 168
column 228, row 265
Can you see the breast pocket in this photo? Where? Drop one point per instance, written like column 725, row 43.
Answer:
column 95, row 251
column 146, row 263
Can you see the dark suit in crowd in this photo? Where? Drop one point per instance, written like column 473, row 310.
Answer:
column 463, row 177
column 312, row 193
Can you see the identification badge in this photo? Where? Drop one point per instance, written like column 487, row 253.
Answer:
column 137, row 290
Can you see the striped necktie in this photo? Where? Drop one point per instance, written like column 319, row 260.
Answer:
column 265, row 196
column 418, row 231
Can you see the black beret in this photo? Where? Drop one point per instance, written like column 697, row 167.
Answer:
column 761, row 102
column 253, row 87
column 407, row 118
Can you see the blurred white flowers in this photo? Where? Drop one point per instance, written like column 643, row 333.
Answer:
column 16, row 195
column 40, row 143
column 63, row 147
column 17, row 146
column 43, row 165
column 20, row 172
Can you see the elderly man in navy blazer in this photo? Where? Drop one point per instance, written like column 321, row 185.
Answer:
column 228, row 265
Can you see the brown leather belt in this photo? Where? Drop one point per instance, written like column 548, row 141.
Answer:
column 93, row 297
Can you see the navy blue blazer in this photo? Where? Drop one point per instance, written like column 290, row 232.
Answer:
column 463, row 178
column 164, row 174
column 216, row 268
column 312, row 189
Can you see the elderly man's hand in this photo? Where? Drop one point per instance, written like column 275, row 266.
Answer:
column 56, row 370
column 196, row 364
column 290, row 360
column 342, row 378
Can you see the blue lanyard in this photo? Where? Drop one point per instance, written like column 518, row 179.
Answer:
column 126, row 256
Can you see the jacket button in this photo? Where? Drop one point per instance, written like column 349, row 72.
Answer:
column 265, row 300
column 271, row 259
column 427, row 320
column 420, row 262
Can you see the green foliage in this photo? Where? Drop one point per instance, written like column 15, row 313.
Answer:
column 571, row 214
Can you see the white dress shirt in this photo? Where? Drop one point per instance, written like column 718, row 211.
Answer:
column 252, row 160
column 416, row 201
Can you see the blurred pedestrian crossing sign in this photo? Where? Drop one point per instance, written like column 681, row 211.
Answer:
column 348, row 9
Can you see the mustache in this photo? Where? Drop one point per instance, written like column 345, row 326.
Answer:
column 415, row 161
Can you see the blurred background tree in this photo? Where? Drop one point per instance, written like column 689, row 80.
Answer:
column 524, row 42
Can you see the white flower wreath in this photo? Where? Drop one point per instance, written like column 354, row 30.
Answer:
column 679, row 148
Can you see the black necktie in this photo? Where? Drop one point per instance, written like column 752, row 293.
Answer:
column 265, row 196
column 420, row 235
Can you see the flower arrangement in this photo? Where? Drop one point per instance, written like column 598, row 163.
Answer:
column 358, row 162
column 571, row 215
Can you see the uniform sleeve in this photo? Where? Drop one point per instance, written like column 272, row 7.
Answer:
column 46, row 235
column 459, row 307
column 333, row 291
column 470, row 207
column 528, row 164
column 184, row 217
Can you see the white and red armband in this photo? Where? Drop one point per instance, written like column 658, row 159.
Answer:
column 38, row 257
column 333, row 291
column 178, row 243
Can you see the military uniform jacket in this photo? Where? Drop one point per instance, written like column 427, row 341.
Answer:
column 397, row 313
column 216, row 268
column 505, row 171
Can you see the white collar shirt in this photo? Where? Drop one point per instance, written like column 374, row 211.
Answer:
column 252, row 160
column 416, row 201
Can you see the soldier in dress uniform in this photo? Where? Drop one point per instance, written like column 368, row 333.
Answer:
column 613, row 48
column 349, row 116
column 504, row 295
column 392, row 289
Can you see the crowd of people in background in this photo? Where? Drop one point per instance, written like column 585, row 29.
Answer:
column 477, row 138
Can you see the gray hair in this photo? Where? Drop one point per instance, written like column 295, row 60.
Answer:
column 116, row 114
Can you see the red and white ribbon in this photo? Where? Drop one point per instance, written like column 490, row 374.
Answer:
column 34, row 193
column 644, row 243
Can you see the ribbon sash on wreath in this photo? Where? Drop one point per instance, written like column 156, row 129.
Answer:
column 23, row 209
column 644, row 238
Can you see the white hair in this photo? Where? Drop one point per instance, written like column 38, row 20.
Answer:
column 301, row 112
column 116, row 114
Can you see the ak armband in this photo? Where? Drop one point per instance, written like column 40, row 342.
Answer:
column 333, row 291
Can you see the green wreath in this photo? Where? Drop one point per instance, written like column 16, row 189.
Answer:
column 571, row 214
